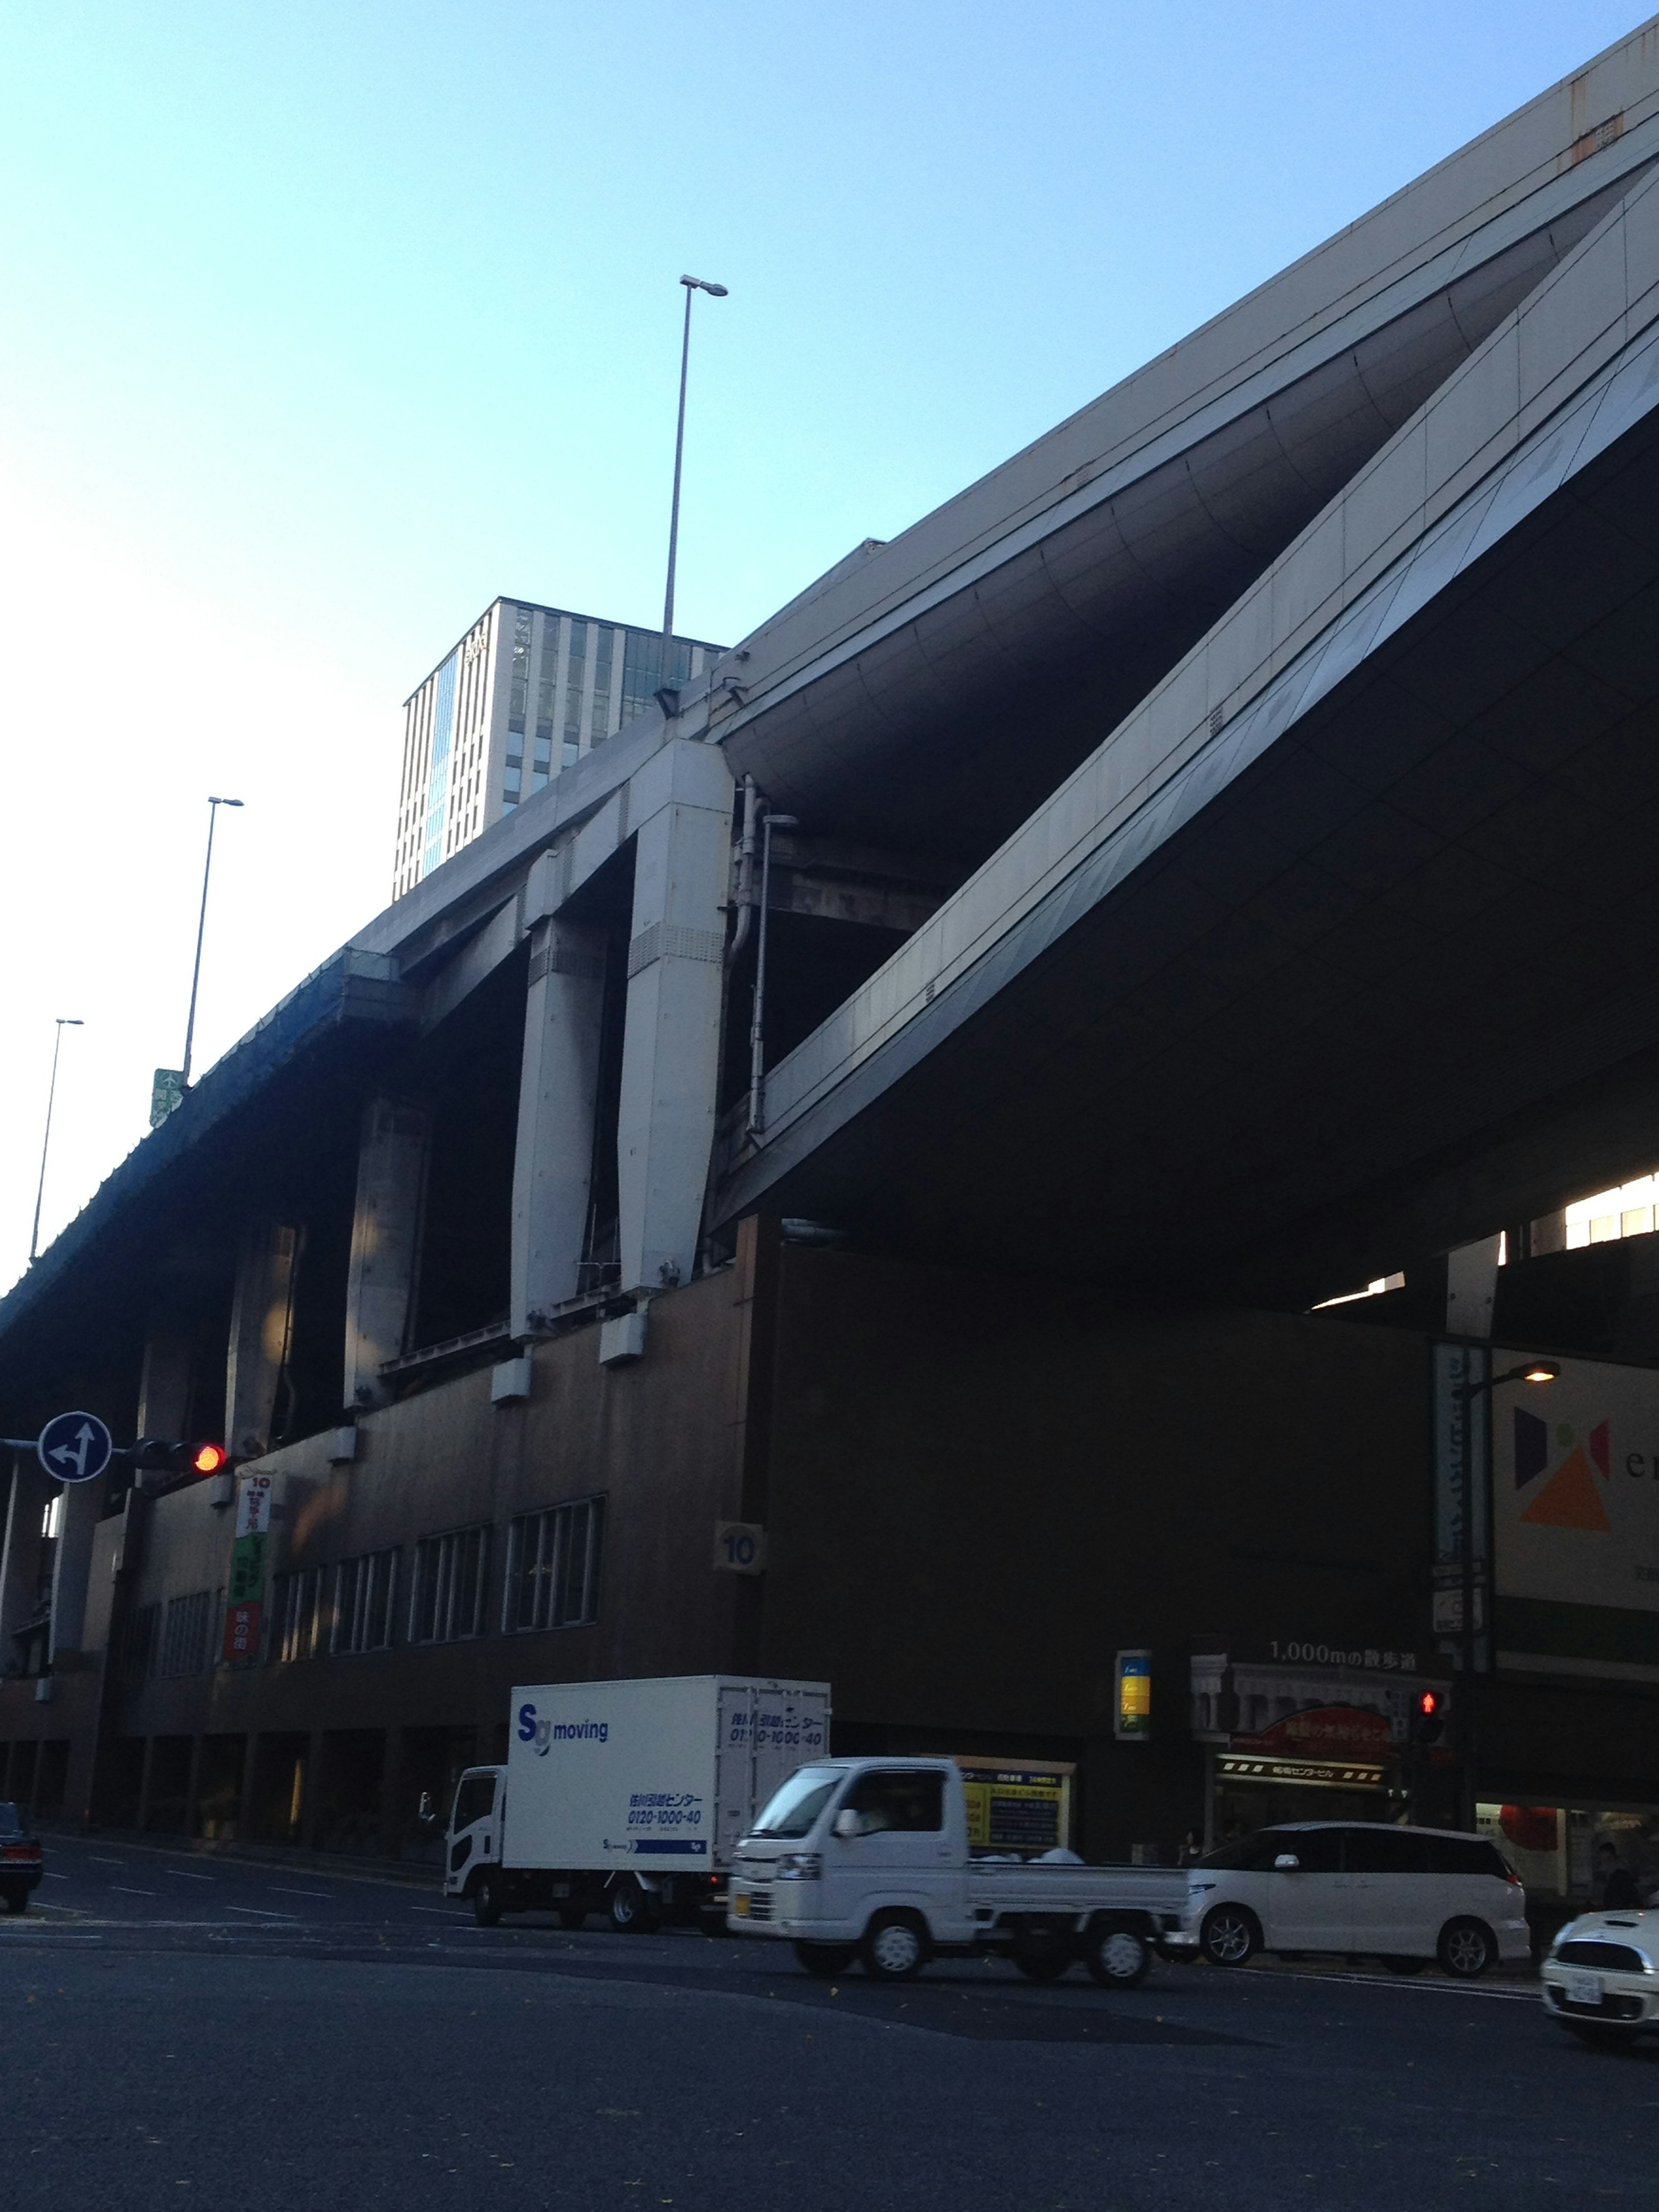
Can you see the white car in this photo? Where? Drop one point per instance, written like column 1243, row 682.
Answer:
column 1405, row 1895
column 1602, row 1975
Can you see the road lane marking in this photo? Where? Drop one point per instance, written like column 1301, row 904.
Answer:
column 121, row 1890
column 277, row 1889
column 444, row 1912
column 261, row 1912
column 179, row 1874
column 94, row 1860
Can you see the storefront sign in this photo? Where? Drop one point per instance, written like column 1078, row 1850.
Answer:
column 1575, row 1514
column 1324, row 1731
column 1306, row 1711
column 1304, row 1773
column 1016, row 1808
column 1461, row 1410
column 1132, row 1719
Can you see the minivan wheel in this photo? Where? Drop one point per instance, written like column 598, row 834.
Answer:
column 633, row 1910
column 1230, row 1935
column 1466, row 1949
column 1116, row 1958
column 895, row 1948
column 487, row 1901
column 826, row 1960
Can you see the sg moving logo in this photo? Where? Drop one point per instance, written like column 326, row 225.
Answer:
column 1579, row 1457
column 544, row 1733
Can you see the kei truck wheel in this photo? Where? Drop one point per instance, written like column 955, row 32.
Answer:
column 895, row 1948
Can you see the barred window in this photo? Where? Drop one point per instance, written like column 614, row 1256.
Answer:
column 553, row 1566
column 362, row 1601
column 449, row 1587
column 138, row 1644
column 185, row 1635
column 296, row 1605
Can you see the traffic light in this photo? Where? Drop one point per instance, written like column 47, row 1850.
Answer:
column 168, row 1455
column 1430, row 1722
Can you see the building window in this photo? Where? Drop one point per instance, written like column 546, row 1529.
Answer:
column 185, row 1635
column 449, row 1587
column 296, row 1605
column 362, row 1601
column 553, row 1567
column 512, row 780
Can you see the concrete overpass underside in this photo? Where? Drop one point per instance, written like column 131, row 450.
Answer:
column 1341, row 950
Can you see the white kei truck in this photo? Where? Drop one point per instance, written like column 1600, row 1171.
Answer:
column 869, row 1859
column 627, row 1798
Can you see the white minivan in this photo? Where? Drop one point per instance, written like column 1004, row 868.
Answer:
column 1404, row 1895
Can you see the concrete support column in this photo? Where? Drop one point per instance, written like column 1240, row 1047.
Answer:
column 671, row 1047
column 261, row 1318
column 31, row 1489
column 164, row 1382
column 1471, row 1287
column 558, row 1088
column 71, row 1570
column 391, row 1162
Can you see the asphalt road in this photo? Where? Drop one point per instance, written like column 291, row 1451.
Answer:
column 178, row 2029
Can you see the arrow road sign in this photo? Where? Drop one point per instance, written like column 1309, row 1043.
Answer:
column 75, row 1447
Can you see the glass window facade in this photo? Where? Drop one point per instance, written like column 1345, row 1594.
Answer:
column 553, row 1562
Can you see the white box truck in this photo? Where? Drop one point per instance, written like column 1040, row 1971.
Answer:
column 627, row 1798
column 872, row 1859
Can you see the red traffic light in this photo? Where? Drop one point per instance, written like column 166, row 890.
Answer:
column 207, row 1459
column 1428, row 1703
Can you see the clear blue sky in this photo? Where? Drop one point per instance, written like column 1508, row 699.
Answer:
column 326, row 324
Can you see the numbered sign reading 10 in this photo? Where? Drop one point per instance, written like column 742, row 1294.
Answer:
column 739, row 1547
column 1132, row 1722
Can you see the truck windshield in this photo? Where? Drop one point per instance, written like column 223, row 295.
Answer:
column 797, row 1804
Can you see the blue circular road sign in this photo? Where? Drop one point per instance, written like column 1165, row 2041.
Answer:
column 75, row 1447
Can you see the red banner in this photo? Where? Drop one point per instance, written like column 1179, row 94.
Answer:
column 242, row 1630
column 1323, row 1732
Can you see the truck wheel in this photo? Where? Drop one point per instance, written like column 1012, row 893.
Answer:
column 824, row 1960
column 633, row 1910
column 1042, row 1956
column 1466, row 1949
column 1117, row 1958
column 571, row 1918
column 1230, row 1935
column 895, row 1947
column 487, row 1901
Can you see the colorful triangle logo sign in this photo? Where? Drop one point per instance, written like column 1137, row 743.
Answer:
column 1570, row 1499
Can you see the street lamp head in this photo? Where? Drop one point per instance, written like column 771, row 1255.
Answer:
column 224, row 802
column 702, row 284
column 69, row 1022
column 1541, row 1370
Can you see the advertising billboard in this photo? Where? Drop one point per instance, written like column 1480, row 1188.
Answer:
column 1576, row 1521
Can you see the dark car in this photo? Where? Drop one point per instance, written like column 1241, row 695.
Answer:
column 20, row 1858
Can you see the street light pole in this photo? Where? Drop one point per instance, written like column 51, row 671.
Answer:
column 65, row 1022
column 214, row 804
column 717, row 291
column 1532, row 1370
column 756, row 1048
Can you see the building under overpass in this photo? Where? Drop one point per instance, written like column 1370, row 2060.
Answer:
column 1222, row 873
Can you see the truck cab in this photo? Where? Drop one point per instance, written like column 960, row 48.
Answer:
column 473, row 1840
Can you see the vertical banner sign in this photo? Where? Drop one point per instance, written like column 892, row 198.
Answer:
column 1132, row 1721
column 245, row 1593
column 1461, row 1415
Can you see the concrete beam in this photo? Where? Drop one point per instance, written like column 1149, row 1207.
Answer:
column 671, row 1047
column 558, row 1088
column 478, row 957
column 164, row 1382
column 32, row 1490
column 261, row 1321
column 385, row 1226
column 72, row 1569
